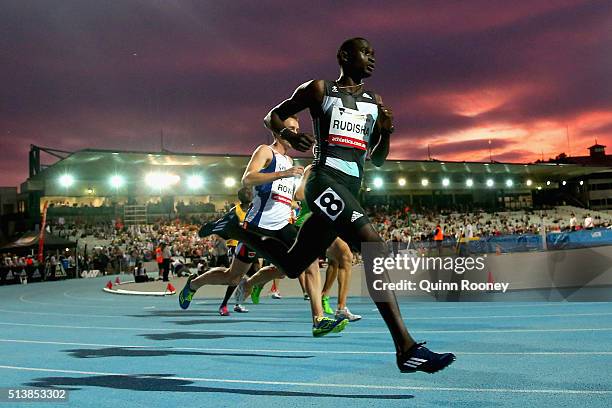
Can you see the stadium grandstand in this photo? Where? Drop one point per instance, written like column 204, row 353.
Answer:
column 138, row 186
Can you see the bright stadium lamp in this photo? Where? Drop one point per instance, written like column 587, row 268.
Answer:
column 581, row 182
column 529, row 182
column 445, row 182
column 195, row 182
column 116, row 181
column 378, row 182
column 401, row 182
column 509, row 183
column 229, row 182
column 66, row 180
column 151, row 179
column 424, row 182
column 564, row 182
column 490, row 182
column 469, row 182
column 548, row 182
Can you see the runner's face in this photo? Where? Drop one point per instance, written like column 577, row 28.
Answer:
column 361, row 59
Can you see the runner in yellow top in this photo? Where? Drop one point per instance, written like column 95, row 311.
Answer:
column 245, row 195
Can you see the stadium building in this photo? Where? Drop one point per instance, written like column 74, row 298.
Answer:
column 140, row 186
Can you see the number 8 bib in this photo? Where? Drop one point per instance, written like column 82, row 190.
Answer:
column 330, row 203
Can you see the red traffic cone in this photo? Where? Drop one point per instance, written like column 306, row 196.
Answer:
column 170, row 288
column 117, row 281
column 109, row 285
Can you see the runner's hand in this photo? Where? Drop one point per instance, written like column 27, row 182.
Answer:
column 295, row 171
column 385, row 118
column 299, row 141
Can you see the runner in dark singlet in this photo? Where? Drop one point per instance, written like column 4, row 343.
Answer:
column 349, row 122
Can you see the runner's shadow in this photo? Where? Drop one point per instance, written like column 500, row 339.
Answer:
column 222, row 321
column 178, row 313
column 162, row 382
column 215, row 336
column 141, row 352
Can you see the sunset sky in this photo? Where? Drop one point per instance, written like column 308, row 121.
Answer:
column 112, row 74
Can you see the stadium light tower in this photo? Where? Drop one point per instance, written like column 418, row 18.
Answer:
column 116, row 181
column 445, row 182
column 229, row 182
column 469, row 182
column 195, row 182
column 378, row 182
column 490, row 182
column 66, row 180
column 401, row 182
column 424, row 182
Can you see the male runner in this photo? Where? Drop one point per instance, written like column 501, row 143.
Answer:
column 272, row 175
column 339, row 255
column 245, row 195
column 349, row 121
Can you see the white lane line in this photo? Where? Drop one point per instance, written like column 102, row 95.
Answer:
column 277, row 351
column 107, row 299
column 508, row 316
column 243, row 331
column 308, row 319
column 321, row 385
column 203, row 316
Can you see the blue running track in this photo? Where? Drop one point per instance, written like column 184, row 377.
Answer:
column 127, row 351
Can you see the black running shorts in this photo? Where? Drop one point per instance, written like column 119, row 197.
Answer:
column 333, row 195
column 287, row 235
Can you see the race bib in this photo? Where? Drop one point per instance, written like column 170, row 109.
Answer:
column 330, row 203
column 282, row 190
column 349, row 127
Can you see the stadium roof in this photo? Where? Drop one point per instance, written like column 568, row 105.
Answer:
column 96, row 163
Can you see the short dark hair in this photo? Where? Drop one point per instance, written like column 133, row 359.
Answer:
column 347, row 46
column 242, row 195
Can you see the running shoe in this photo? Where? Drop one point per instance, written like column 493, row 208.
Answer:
column 326, row 307
column 420, row 358
column 276, row 295
column 240, row 309
column 223, row 311
column 186, row 294
column 325, row 325
column 255, row 292
column 225, row 227
column 240, row 292
column 306, row 297
column 346, row 313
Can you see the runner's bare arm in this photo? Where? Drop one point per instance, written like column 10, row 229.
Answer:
column 307, row 96
column 299, row 193
column 261, row 157
column 381, row 135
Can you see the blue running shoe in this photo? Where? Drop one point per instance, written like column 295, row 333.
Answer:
column 186, row 294
column 325, row 325
column 420, row 358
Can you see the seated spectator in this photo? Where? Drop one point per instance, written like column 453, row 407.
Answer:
column 140, row 273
